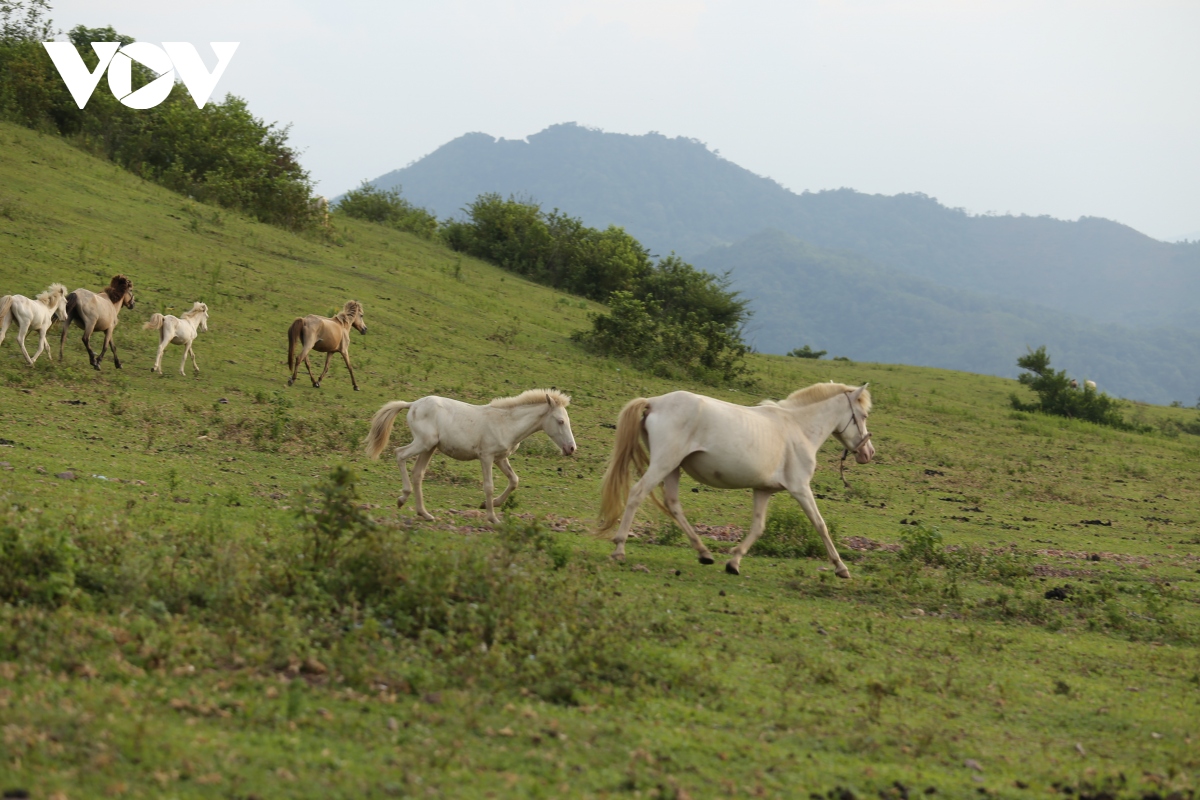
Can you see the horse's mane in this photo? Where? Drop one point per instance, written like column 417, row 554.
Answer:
column 52, row 290
column 118, row 287
column 196, row 309
column 349, row 311
column 821, row 391
column 531, row 397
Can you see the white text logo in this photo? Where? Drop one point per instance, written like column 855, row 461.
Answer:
column 118, row 60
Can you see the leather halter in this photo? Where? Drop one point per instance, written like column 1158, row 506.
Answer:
column 865, row 437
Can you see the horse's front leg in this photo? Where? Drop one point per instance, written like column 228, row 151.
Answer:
column 671, row 496
column 804, row 496
column 418, row 475
column 192, row 350
column 346, row 358
column 111, row 344
column 488, row 489
column 22, row 331
column 757, row 523
column 43, row 345
column 509, row 473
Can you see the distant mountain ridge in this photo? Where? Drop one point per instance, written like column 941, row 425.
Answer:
column 676, row 194
column 843, row 303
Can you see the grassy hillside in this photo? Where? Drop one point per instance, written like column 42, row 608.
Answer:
column 935, row 666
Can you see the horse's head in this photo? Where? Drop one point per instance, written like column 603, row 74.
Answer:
column 200, row 312
column 354, row 312
column 852, row 432
column 120, row 291
column 56, row 299
column 557, row 424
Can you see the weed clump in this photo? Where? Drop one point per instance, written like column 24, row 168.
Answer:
column 789, row 534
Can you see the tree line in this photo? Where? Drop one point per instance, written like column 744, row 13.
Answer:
column 220, row 154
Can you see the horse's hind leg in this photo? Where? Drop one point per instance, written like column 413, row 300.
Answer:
column 418, row 474
column 403, row 454
column 761, row 499
column 804, row 497
column 671, row 496
column 655, row 474
column 87, row 342
column 317, row 384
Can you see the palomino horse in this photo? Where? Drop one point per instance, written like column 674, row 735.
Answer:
column 466, row 432
column 98, row 312
column 326, row 335
column 40, row 313
column 771, row 447
column 179, row 330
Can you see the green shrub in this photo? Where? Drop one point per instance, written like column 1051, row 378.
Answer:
column 806, row 352
column 37, row 563
column 923, row 544
column 1057, row 396
column 789, row 534
column 387, row 207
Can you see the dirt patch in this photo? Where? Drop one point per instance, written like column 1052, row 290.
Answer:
column 862, row 543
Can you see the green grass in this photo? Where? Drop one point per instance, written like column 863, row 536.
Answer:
column 193, row 677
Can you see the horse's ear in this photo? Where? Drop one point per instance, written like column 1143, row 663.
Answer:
column 549, row 402
column 857, row 393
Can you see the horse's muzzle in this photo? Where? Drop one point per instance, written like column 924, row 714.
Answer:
column 865, row 453
column 568, row 450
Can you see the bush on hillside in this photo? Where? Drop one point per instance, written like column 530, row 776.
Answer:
column 220, row 154
column 1057, row 396
column 806, row 352
column 387, row 207
column 669, row 318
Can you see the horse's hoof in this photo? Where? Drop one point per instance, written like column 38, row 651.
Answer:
column 428, row 517
column 356, row 388
column 706, row 560
column 843, row 573
column 617, row 556
column 289, row 383
column 731, row 569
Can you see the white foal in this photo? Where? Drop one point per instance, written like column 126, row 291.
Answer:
column 467, row 432
column 179, row 330
column 771, row 447
column 39, row 313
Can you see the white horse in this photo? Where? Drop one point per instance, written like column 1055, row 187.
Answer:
column 179, row 330
column 769, row 448
column 467, row 432
column 40, row 313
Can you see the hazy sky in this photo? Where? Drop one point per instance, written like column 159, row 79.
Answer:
column 1062, row 108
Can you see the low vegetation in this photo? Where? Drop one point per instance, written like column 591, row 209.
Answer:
column 387, row 207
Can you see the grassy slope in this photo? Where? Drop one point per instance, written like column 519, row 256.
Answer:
column 825, row 684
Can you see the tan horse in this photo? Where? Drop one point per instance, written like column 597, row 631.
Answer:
column 98, row 312
column 326, row 335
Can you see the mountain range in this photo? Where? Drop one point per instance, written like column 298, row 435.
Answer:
column 956, row 290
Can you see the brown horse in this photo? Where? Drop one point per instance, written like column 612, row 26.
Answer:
column 98, row 312
column 324, row 335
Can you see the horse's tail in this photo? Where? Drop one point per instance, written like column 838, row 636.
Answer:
column 5, row 307
column 294, row 334
column 381, row 427
column 155, row 323
column 629, row 450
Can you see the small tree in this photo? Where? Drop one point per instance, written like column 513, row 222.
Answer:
column 1057, row 396
column 807, row 352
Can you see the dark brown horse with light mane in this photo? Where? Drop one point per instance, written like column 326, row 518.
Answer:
column 326, row 335
column 98, row 312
